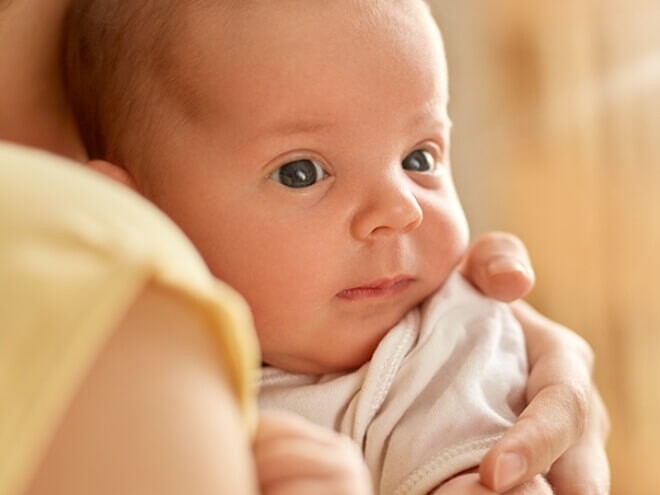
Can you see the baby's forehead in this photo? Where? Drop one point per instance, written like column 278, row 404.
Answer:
column 297, row 52
column 217, row 31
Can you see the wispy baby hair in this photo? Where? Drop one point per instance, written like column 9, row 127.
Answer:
column 119, row 66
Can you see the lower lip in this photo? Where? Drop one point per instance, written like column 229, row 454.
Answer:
column 366, row 293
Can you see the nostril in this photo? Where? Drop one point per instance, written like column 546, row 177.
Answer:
column 413, row 225
column 414, row 215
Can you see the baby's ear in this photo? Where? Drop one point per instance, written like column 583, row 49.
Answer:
column 114, row 172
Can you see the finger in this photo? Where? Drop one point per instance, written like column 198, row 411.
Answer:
column 288, row 447
column 300, row 466
column 497, row 263
column 543, row 432
column 466, row 484
column 584, row 468
column 277, row 424
column 558, row 389
column 315, row 487
column 292, row 458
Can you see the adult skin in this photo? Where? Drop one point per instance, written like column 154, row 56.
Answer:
column 565, row 423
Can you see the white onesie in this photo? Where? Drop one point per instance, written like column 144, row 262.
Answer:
column 441, row 388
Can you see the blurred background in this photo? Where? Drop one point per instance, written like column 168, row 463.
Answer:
column 556, row 106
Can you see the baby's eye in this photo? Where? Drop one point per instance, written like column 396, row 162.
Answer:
column 419, row 161
column 299, row 174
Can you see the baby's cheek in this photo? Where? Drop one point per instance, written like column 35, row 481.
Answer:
column 450, row 236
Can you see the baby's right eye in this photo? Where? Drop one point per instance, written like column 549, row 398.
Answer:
column 299, row 174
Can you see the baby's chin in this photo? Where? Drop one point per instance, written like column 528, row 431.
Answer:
column 344, row 357
column 326, row 359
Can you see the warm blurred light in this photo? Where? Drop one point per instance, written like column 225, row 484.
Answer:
column 638, row 77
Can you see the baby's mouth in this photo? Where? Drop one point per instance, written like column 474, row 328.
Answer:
column 379, row 289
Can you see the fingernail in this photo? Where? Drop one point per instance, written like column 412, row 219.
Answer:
column 509, row 470
column 504, row 264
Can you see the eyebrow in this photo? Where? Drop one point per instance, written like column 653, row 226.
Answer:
column 313, row 126
column 428, row 116
column 293, row 127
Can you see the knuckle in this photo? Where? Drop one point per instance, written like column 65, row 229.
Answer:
column 575, row 402
column 580, row 399
column 566, row 340
column 584, row 350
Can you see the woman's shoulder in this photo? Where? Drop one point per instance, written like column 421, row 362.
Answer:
column 76, row 252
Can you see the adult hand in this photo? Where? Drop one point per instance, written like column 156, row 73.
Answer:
column 296, row 457
column 565, row 425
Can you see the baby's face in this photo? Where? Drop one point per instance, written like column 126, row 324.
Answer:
column 315, row 177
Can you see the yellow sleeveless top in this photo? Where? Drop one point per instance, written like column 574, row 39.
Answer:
column 75, row 251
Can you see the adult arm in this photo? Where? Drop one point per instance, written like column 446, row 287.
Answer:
column 154, row 415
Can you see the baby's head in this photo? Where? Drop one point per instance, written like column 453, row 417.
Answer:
column 303, row 146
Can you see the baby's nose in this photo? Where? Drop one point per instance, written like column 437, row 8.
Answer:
column 387, row 209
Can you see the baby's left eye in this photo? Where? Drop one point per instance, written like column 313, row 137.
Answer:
column 419, row 161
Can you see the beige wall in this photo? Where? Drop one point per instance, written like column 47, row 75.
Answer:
column 557, row 111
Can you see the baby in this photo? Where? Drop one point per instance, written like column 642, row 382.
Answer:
column 303, row 146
